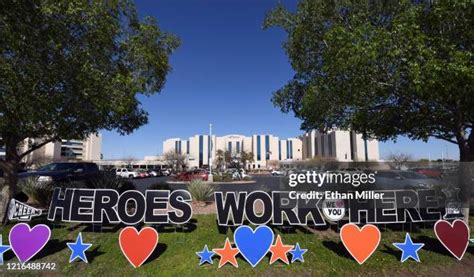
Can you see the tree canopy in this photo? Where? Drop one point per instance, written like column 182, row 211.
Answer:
column 381, row 68
column 71, row 68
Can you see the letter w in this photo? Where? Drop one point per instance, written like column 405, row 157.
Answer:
column 230, row 206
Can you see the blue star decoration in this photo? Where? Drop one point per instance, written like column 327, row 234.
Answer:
column 205, row 255
column 78, row 249
column 297, row 253
column 3, row 249
column 409, row 249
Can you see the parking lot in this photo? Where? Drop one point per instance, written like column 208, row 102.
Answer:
column 266, row 182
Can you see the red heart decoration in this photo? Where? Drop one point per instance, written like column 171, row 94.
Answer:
column 138, row 246
column 454, row 237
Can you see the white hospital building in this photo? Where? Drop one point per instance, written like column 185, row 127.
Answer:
column 88, row 149
column 269, row 150
column 343, row 146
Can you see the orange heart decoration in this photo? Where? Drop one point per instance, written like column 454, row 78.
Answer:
column 361, row 243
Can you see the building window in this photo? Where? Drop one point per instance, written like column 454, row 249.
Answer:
column 69, row 142
column 352, row 139
column 308, row 146
column 187, row 147
column 267, row 147
column 330, row 145
column 279, row 150
column 316, row 146
column 229, row 147
column 323, row 151
column 209, row 146
column 291, row 149
column 259, row 155
column 177, row 147
column 238, row 146
column 201, row 150
column 367, row 150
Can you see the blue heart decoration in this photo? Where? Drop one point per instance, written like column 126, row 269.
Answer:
column 253, row 245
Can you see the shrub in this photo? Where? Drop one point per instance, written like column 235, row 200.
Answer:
column 70, row 184
column 200, row 191
column 109, row 180
column 247, row 178
column 222, row 178
column 38, row 193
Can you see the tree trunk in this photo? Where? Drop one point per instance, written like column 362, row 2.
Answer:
column 10, row 173
column 466, row 173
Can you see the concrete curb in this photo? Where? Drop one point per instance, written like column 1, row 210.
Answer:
column 214, row 183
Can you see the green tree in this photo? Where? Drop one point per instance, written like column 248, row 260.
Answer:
column 245, row 158
column 176, row 161
column 72, row 68
column 228, row 158
column 381, row 68
column 220, row 162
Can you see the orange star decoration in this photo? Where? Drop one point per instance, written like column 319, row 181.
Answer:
column 227, row 254
column 279, row 251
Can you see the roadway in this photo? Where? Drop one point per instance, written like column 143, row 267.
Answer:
column 265, row 183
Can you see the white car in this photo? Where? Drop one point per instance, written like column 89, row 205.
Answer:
column 166, row 172
column 239, row 176
column 126, row 173
column 276, row 173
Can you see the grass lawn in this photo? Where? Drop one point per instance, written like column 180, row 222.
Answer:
column 175, row 254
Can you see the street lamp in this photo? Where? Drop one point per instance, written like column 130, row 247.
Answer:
column 210, row 153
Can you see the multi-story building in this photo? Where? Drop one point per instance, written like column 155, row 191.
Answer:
column 339, row 145
column 267, row 150
column 88, row 149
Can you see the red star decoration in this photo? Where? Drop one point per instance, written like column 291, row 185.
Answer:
column 227, row 254
column 279, row 251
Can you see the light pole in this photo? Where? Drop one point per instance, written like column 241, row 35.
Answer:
column 210, row 153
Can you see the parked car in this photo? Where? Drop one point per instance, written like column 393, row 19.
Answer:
column 429, row 172
column 403, row 179
column 144, row 173
column 152, row 173
column 277, row 173
column 64, row 171
column 240, row 176
column 166, row 172
column 126, row 173
column 193, row 174
column 158, row 172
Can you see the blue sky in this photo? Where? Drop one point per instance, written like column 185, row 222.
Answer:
column 224, row 73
